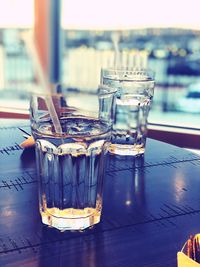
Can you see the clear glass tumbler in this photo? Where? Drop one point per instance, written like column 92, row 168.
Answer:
column 135, row 90
column 70, row 164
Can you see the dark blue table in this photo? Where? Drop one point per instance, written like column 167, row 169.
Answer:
column 151, row 206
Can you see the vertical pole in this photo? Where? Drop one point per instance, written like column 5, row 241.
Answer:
column 55, row 41
column 47, row 33
column 41, row 32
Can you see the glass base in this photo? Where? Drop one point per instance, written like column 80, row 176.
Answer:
column 70, row 219
column 126, row 150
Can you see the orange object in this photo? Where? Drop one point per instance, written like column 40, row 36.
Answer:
column 29, row 142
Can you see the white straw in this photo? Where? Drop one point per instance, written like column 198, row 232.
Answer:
column 115, row 39
column 30, row 44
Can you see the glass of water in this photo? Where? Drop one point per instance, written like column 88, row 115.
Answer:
column 70, row 164
column 135, row 90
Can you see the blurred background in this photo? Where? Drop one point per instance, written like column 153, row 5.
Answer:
column 162, row 36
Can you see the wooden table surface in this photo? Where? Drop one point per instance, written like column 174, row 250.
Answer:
column 151, row 206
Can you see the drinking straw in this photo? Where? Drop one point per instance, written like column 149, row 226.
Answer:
column 115, row 39
column 30, row 44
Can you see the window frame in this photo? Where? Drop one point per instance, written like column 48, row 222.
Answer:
column 176, row 135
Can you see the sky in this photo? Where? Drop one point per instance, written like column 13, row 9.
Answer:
column 131, row 13
column 16, row 13
column 108, row 14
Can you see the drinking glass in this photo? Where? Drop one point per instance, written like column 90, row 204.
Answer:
column 71, row 164
column 135, row 90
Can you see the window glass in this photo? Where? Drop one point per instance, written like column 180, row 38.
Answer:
column 171, row 47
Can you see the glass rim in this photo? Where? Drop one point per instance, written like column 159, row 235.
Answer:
column 106, row 90
column 126, row 72
column 102, row 89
